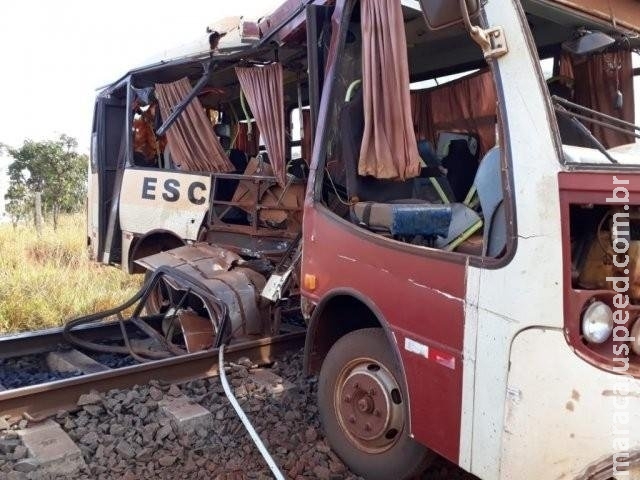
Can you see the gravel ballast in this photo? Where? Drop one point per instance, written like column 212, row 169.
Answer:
column 123, row 434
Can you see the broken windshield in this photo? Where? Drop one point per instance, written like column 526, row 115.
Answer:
column 573, row 120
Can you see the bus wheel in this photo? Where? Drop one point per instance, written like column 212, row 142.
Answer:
column 363, row 408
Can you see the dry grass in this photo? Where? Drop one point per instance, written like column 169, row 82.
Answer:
column 48, row 279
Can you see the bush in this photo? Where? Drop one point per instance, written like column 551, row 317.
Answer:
column 48, row 279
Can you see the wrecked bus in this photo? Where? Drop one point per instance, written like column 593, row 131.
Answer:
column 193, row 137
column 467, row 248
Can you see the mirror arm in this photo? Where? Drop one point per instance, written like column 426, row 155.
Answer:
column 492, row 41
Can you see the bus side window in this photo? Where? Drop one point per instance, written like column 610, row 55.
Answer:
column 148, row 148
column 454, row 119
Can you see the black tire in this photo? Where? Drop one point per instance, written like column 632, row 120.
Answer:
column 347, row 361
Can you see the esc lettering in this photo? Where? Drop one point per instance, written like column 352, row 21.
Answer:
column 171, row 190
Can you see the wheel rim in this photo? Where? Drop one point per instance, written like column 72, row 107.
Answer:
column 369, row 405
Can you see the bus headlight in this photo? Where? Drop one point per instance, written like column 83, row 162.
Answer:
column 597, row 322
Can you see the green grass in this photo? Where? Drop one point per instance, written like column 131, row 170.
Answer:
column 47, row 279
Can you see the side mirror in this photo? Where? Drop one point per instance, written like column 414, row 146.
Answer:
column 447, row 13
column 588, row 42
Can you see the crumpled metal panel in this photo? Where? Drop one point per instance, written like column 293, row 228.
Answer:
column 219, row 271
column 197, row 331
column 207, row 259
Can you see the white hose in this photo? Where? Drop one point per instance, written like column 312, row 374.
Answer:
column 245, row 420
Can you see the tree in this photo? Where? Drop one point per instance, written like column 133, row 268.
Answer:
column 52, row 170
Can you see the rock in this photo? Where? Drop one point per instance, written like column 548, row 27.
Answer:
column 93, row 410
column 174, row 391
column 167, row 460
column 89, row 399
column 322, row 447
column 82, row 419
column 19, row 452
column 149, row 432
column 26, row 465
column 69, row 424
column 125, row 449
column 310, row 435
column 245, row 362
column 322, row 473
column 90, row 439
column 143, row 412
column 144, row 455
column 16, row 475
column 336, row 467
column 116, row 429
column 240, row 392
column 163, row 433
column 155, row 394
column 189, row 465
column 8, row 445
column 99, row 452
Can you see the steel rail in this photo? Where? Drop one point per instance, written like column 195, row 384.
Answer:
column 43, row 400
column 42, row 341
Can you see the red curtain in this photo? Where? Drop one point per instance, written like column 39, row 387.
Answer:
column 465, row 105
column 264, row 89
column 421, row 112
column 596, row 82
column 248, row 143
column 191, row 140
column 389, row 148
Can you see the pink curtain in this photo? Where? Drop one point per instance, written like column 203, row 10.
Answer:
column 264, row 89
column 389, row 149
column 191, row 140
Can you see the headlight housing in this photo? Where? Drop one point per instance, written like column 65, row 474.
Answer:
column 597, row 322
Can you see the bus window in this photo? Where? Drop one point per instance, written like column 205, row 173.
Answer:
column 454, row 118
column 300, row 134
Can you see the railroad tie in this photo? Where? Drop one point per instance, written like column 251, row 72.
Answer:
column 51, row 449
column 72, row 361
column 187, row 415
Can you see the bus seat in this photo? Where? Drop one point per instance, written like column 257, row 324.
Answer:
column 428, row 155
column 461, row 168
column 431, row 177
column 383, row 195
column 464, row 223
column 488, row 185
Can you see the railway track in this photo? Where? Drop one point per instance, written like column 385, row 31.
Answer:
column 43, row 399
column 111, row 437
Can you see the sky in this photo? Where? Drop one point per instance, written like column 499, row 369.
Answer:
column 55, row 54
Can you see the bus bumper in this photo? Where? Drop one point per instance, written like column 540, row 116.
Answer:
column 565, row 419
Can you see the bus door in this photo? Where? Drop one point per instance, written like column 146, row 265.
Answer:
column 107, row 152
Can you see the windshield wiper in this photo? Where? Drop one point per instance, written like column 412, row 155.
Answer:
column 584, row 130
column 622, row 127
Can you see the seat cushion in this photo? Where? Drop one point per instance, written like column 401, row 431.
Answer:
column 404, row 219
